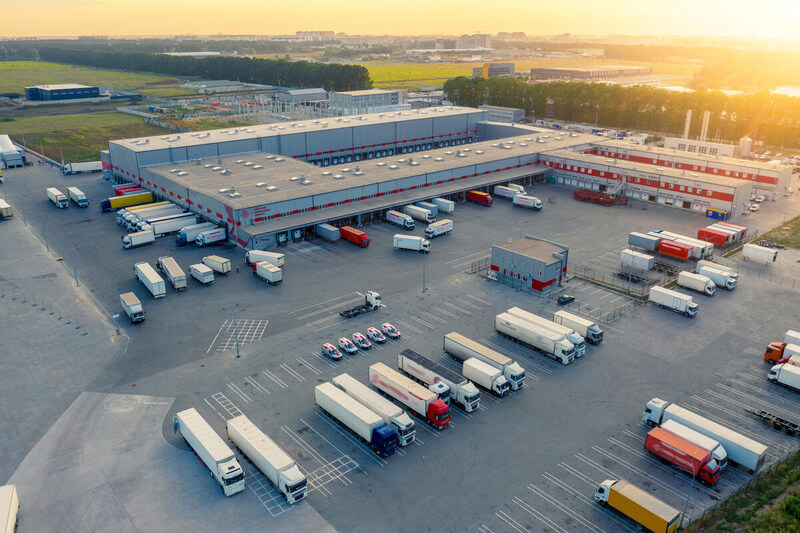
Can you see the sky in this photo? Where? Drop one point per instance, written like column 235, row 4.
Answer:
column 770, row 19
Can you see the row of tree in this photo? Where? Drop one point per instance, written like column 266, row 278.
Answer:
column 772, row 118
column 281, row 72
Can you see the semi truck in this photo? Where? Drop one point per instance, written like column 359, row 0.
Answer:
column 211, row 236
column 187, row 219
column 132, row 307
column 445, row 206
column 636, row 259
column 572, row 336
column 442, row 227
column 776, row 351
column 175, row 274
column 115, row 202
column 433, row 208
column 280, row 470
column 649, row 512
column 129, row 218
column 479, row 197
column 5, row 210
column 212, row 451
column 202, row 273
column 77, row 196
column 400, row 219
column 588, row 329
column 535, row 337
column 274, row 258
column 487, row 376
column 150, row 279
column 394, row 416
column 372, row 302
column 645, row 241
column 697, row 282
column 531, row 202
column 759, row 254
column 218, row 264
column 166, row 227
column 462, row 348
column 785, row 374
column 356, row 236
column 80, row 168
column 328, row 232
column 673, row 300
column 704, row 262
column 460, row 389
column 9, row 508
column 268, row 272
column 732, row 234
column 695, row 437
column 140, row 238
column 57, row 197
column 721, row 278
column 741, row 450
column 419, row 213
column 505, row 192
column 422, row 402
column 364, row 423
column 188, row 234
column 683, row 455
column 410, row 242
column 791, row 336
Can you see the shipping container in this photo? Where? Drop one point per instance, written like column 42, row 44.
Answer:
column 636, row 260
column 641, row 240
column 759, row 254
column 674, row 249
column 328, row 232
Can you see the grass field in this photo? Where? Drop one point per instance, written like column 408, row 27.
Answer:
column 79, row 137
column 16, row 75
column 787, row 234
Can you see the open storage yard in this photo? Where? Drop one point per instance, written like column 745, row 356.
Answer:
column 529, row 461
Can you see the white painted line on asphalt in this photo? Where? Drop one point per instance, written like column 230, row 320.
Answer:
column 252, row 381
column 448, row 304
column 212, row 407
column 592, row 504
column 412, row 328
column 360, row 445
column 522, row 504
column 419, row 320
column 323, row 359
column 328, row 308
column 544, row 495
column 292, row 373
column 226, row 404
column 434, row 317
column 468, row 304
column 502, row 515
column 483, row 528
column 618, row 298
column 586, row 479
column 217, row 335
column 321, row 320
column 770, row 406
column 309, row 366
column 472, row 296
column 278, row 381
column 463, row 258
column 303, row 444
column 446, row 313
column 512, row 355
column 595, row 292
column 239, row 392
column 790, row 400
column 320, row 303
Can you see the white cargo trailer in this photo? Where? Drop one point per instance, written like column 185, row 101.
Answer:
column 697, row 438
column 721, row 278
column 462, row 348
column 505, row 192
column 150, row 279
column 535, row 337
column 740, row 449
column 487, row 376
column 791, row 337
column 394, row 416
column 211, row 450
column 166, row 227
column 787, row 375
column 173, row 271
column 445, row 206
column 9, row 508
column 697, row 282
column 202, row 273
column 268, row 272
column 274, row 258
column 422, row 402
column 433, row 208
column 132, row 307
column 189, row 233
column 5, row 210
column 418, row 213
column 673, row 300
column 267, row 456
column 759, row 254
column 588, row 329
column 531, row 202
column 636, row 259
column 572, row 336
column 429, row 372
column 77, row 196
column 218, row 264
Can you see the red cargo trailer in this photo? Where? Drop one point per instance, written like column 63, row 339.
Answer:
column 675, row 249
column 683, row 454
column 741, row 229
column 122, row 191
column 713, row 236
column 354, row 235
column 479, row 197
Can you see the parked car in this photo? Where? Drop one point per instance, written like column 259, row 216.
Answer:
column 754, row 207
column 375, row 335
column 390, row 330
column 329, row 350
column 565, row 299
column 361, row 341
column 347, row 345
column 760, row 198
column 753, row 197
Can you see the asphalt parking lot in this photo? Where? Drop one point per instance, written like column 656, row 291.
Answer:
column 527, row 462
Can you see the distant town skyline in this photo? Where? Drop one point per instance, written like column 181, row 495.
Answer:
column 767, row 19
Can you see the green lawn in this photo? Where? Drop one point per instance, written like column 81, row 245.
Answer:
column 78, row 137
column 16, row 75
column 787, row 234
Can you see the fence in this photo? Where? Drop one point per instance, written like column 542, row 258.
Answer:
column 626, row 282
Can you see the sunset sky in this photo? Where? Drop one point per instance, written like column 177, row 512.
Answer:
column 778, row 19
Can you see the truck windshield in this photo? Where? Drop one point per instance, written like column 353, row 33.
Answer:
column 444, row 415
column 234, row 479
column 520, row 377
column 474, row 398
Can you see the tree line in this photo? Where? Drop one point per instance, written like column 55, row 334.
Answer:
column 335, row 77
column 775, row 119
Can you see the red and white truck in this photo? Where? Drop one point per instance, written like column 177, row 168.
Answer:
column 683, row 455
column 419, row 400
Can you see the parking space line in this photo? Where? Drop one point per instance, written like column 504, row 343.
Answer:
column 319, row 303
column 502, row 515
column 412, row 328
column 537, row 514
column 309, row 366
column 292, row 373
column 212, row 407
column 557, row 504
column 321, row 320
column 483, row 528
column 279, row 382
column 328, row 308
column 239, row 392
column 426, row 324
column 473, row 297
column 446, row 313
column 509, row 353
column 789, row 400
column 318, row 356
column 360, row 445
column 591, row 503
column 771, row 407
column 451, row 306
column 468, row 304
column 217, row 335
column 434, row 317
column 303, row 444
column 226, row 404
column 252, row 381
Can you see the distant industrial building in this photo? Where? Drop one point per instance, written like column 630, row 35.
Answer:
column 367, row 101
column 511, row 36
column 530, row 262
column 223, row 86
column 503, row 114
column 315, row 35
column 301, row 96
column 10, row 154
column 64, row 91
column 493, row 70
column 700, row 147
column 476, row 41
column 596, row 72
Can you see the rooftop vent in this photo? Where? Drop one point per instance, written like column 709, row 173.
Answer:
column 414, row 163
column 381, row 164
column 559, row 138
column 239, row 161
column 199, row 162
column 438, row 159
column 326, row 173
column 294, row 178
column 234, row 195
column 182, row 173
column 224, row 191
column 174, row 171
column 258, row 167
column 226, row 172
column 394, row 167
column 478, row 151
column 249, row 164
column 346, row 169
column 449, row 152
column 261, row 184
column 338, row 177
column 426, row 156
column 523, row 144
column 301, row 125
column 270, row 157
column 216, row 169
column 278, row 159
column 466, row 149
column 219, row 160
column 528, row 139
column 209, row 165
column 306, row 182
column 272, row 188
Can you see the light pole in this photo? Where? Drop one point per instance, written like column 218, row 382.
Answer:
column 686, row 506
column 423, row 273
column 115, row 316
column 235, row 334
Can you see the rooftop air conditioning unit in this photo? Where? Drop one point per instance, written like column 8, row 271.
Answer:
column 261, row 184
column 272, row 188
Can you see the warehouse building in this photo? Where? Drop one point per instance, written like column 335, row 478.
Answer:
column 64, row 91
column 531, row 263
column 594, row 72
column 301, row 96
column 700, row 147
column 367, row 101
column 492, row 70
column 10, row 155
column 503, row 114
column 771, row 179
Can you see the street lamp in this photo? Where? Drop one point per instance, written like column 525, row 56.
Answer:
column 423, row 272
column 235, row 334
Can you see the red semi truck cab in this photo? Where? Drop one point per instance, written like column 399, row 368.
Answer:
column 355, row 236
column 479, row 197
column 683, row 454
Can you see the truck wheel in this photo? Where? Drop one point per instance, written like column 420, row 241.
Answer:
column 602, row 503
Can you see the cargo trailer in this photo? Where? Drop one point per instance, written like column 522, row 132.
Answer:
column 150, row 279
column 328, row 232
column 683, row 455
column 123, row 201
column 649, row 512
column 462, row 348
column 422, row 402
column 588, row 329
column 433, row 208
column 786, row 375
column 571, row 335
column 759, row 254
column 645, row 241
column 721, row 278
column 697, row 282
column 429, row 372
column 173, row 271
column 707, row 443
column 419, row 213
column 445, row 206
column 140, row 238
column 401, row 219
column 535, row 337
column 188, row 234
column 673, row 300
column 356, row 236
column 636, row 260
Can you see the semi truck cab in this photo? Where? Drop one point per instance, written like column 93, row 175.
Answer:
column 384, row 438
column 653, row 411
